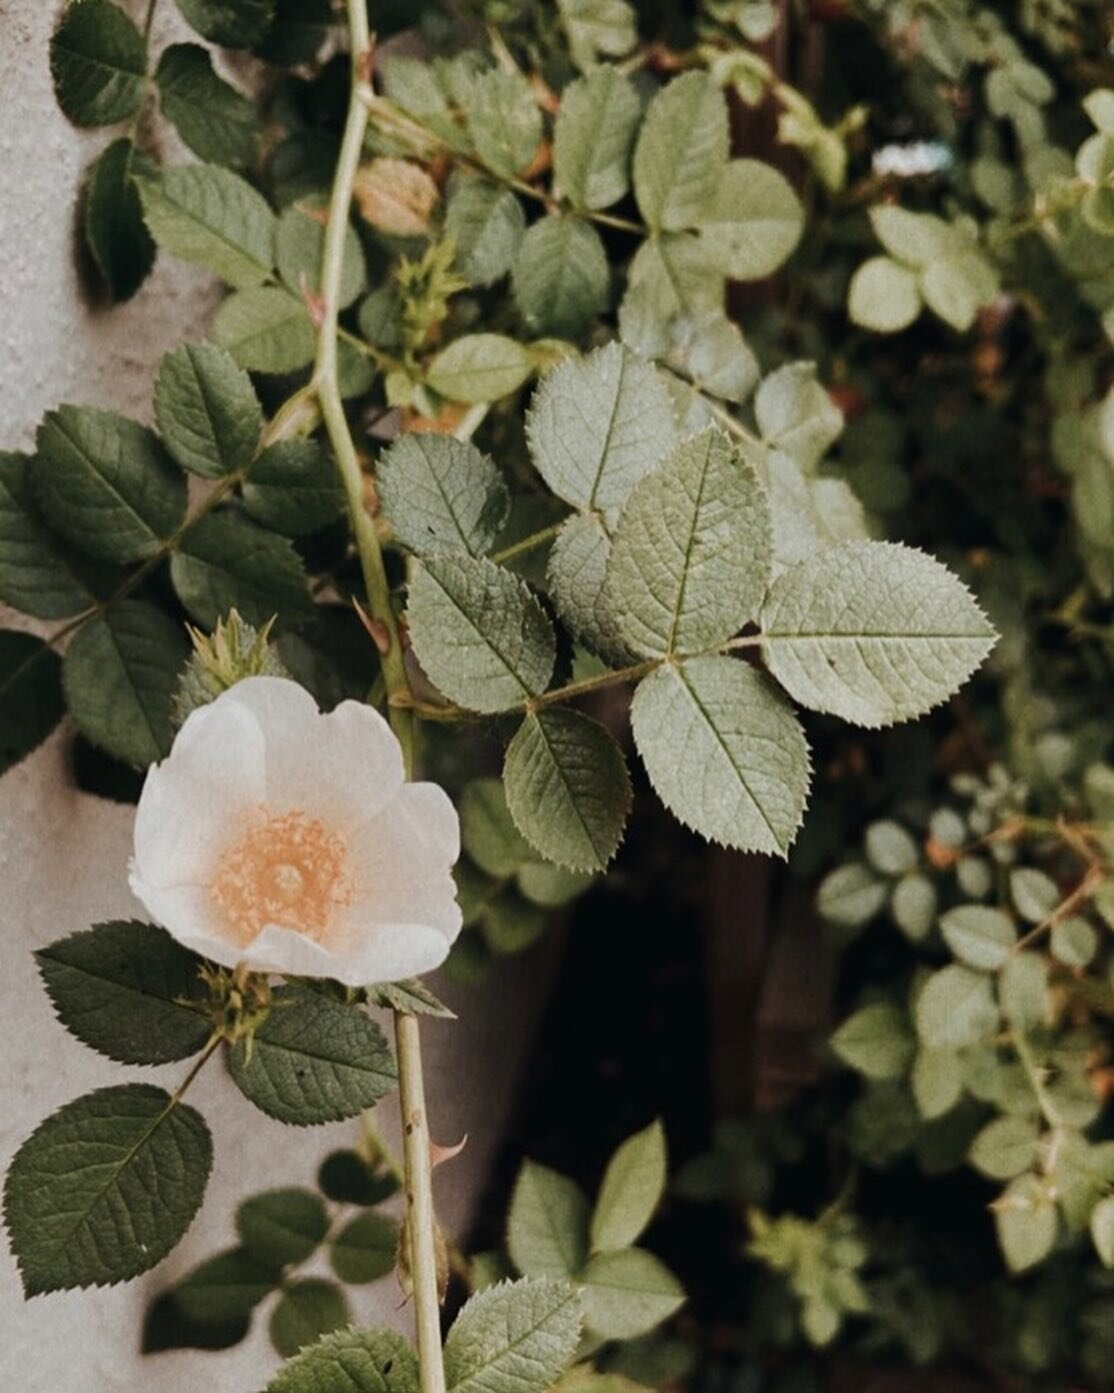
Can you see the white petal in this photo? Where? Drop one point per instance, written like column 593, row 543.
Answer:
column 214, row 772
column 402, row 862
column 429, row 807
column 278, row 949
column 187, row 914
column 393, row 952
column 343, row 767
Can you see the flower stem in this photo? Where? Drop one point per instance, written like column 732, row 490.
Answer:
column 421, row 1226
column 327, row 388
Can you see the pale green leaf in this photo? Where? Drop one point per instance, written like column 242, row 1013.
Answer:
column 883, row 296
column 917, row 239
column 752, row 223
column 105, row 1187
column 690, row 560
column 937, row 1082
column 128, row 990
column 1074, row 942
column 561, row 277
column 724, row 752
column 889, row 848
column 1102, row 1220
column 567, row 788
column 208, row 215
column 627, row 1293
column 873, row 632
column 266, row 329
column 120, row 674
column 876, row 1041
column 547, row 1227
column 1005, row 1147
column 593, row 137
column 515, row 1337
column 796, row 415
column 710, row 349
column 441, row 494
column 410, row 996
column 486, row 224
column 479, row 633
column 300, row 253
column 214, row 120
column 504, row 121
column 956, row 1007
column 480, row 367
column 598, row 425
column 978, row 935
column 956, row 287
column 598, row 27
column 488, row 831
column 851, row 895
column 632, row 1187
column 575, row 576
column 98, row 60
column 681, row 154
column 208, row 414
column 913, row 906
column 1035, row 895
column 359, row 1361
column 1027, row 1223
column 1023, row 990
column 106, row 484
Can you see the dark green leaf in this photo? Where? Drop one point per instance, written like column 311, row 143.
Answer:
column 216, row 122
column 36, row 576
column 294, row 488
column 115, row 233
column 504, row 121
column 105, row 1187
column 488, row 831
column 366, row 1248
column 297, row 32
column 128, row 990
column 307, row 1310
column 225, row 1288
column 266, row 329
column 207, row 410
column 313, row 1060
column 225, row 562
column 411, row 996
column 300, row 252
column 31, row 702
column 441, row 494
column 344, row 1176
column 120, row 674
column 230, row 23
column 283, row 1226
column 98, row 60
column 106, row 484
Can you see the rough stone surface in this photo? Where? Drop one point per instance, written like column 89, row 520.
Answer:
column 63, row 854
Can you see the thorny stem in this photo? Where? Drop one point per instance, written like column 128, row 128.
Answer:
column 420, row 1221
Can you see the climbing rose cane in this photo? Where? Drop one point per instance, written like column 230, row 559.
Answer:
column 288, row 840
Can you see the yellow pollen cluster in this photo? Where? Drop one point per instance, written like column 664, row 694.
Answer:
column 287, row 870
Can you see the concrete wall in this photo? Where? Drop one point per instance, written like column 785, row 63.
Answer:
column 63, row 854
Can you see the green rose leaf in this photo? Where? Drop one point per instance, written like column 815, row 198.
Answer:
column 225, row 562
column 627, row 1293
column 296, row 35
column 307, row 1309
column 266, row 329
column 1102, row 1230
column 411, row 996
column 568, row 789
column 980, row 936
column 796, row 415
column 106, row 484
column 576, row 575
column 515, row 1337
column 115, row 233
column 218, row 123
column 479, row 633
column 851, row 895
column 210, row 216
column 1027, row 1222
column 547, row 1228
column 441, row 494
column 598, row 27
column 300, row 254
column 690, row 560
column 873, row 632
column 486, row 224
column 681, row 155
column 360, row 1361
column 598, row 425
column 120, row 674
column 480, row 367
column 230, row 23
column 488, row 832
column 36, row 572
column 956, row 1007
column 31, row 702
column 632, row 1187
column 1005, row 1147
column 876, row 1041
column 294, row 488
column 277, row 1227
column 504, row 122
column 313, row 1060
column 561, row 277
column 105, row 1187
column 937, row 1082
column 593, row 138
column 128, row 990
column 208, row 414
column 98, row 60
column 883, row 296
column 724, row 752
column 917, row 239
column 753, row 221
column 366, row 1248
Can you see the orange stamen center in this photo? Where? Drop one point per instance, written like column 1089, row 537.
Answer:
column 288, row 870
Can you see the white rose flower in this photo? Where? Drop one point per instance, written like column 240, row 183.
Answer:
column 287, row 840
